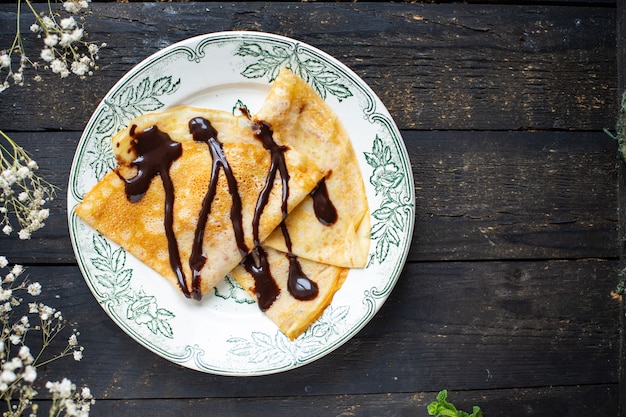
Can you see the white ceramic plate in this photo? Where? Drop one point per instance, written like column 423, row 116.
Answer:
column 226, row 333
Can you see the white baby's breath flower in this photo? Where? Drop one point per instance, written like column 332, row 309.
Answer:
column 77, row 34
column 73, row 340
column 75, row 6
column 23, row 172
column 86, row 393
column 29, row 374
column 43, row 214
column 24, row 234
column 45, row 312
column 25, row 356
column 51, row 40
column 33, row 308
column 8, row 376
column 49, row 23
column 15, row 339
column 66, row 40
column 78, row 355
column 5, row 294
column 3, row 261
column 34, row 289
column 79, row 68
column 17, row 269
column 68, row 23
column 63, row 389
column 93, row 49
column 59, row 67
column 7, row 229
column 47, row 54
column 8, row 175
column 18, row 77
column 5, row 60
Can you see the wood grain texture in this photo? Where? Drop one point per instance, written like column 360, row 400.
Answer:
column 435, row 66
column 548, row 401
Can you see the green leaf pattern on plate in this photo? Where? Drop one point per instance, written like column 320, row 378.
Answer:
column 229, row 289
column 113, row 280
column 278, row 350
column 271, row 59
column 392, row 215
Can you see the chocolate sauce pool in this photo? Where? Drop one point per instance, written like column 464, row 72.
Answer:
column 156, row 152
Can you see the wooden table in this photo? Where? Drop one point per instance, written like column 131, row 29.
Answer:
column 508, row 298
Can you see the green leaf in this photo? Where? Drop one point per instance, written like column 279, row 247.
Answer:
column 143, row 89
column 339, row 90
column 148, row 104
column 163, row 86
column 118, row 259
column 249, row 49
column 106, row 123
column 101, row 246
column 164, row 328
column 255, row 71
column 371, row 159
column 101, row 264
column 442, row 408
column 126, row 96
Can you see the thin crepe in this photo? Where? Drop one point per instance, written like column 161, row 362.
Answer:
column 139, row 226
column 294, row 316
column 301, row 118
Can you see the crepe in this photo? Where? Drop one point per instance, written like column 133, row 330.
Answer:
column 137, row 220
column 300, row 117
column 291, row 315
column 326, row 242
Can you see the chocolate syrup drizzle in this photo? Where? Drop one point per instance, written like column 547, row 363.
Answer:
column 203, row 131
column 256, row 263
column 323, row 207
column 156, row 151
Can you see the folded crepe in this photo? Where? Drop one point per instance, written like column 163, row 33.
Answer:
column 185, row 197
column 329, row 232
column 291, row 315
column 301, row 118
column 277, row 200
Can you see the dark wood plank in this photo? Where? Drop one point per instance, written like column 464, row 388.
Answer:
column 435, row 66
column 621, row 60
column 586, row 401
column 513, row 195
column 498, row 195
column 454, row 325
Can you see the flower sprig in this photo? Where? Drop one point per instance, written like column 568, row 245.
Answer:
column 23, row 193
column 40, row 324
column 65, row 48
